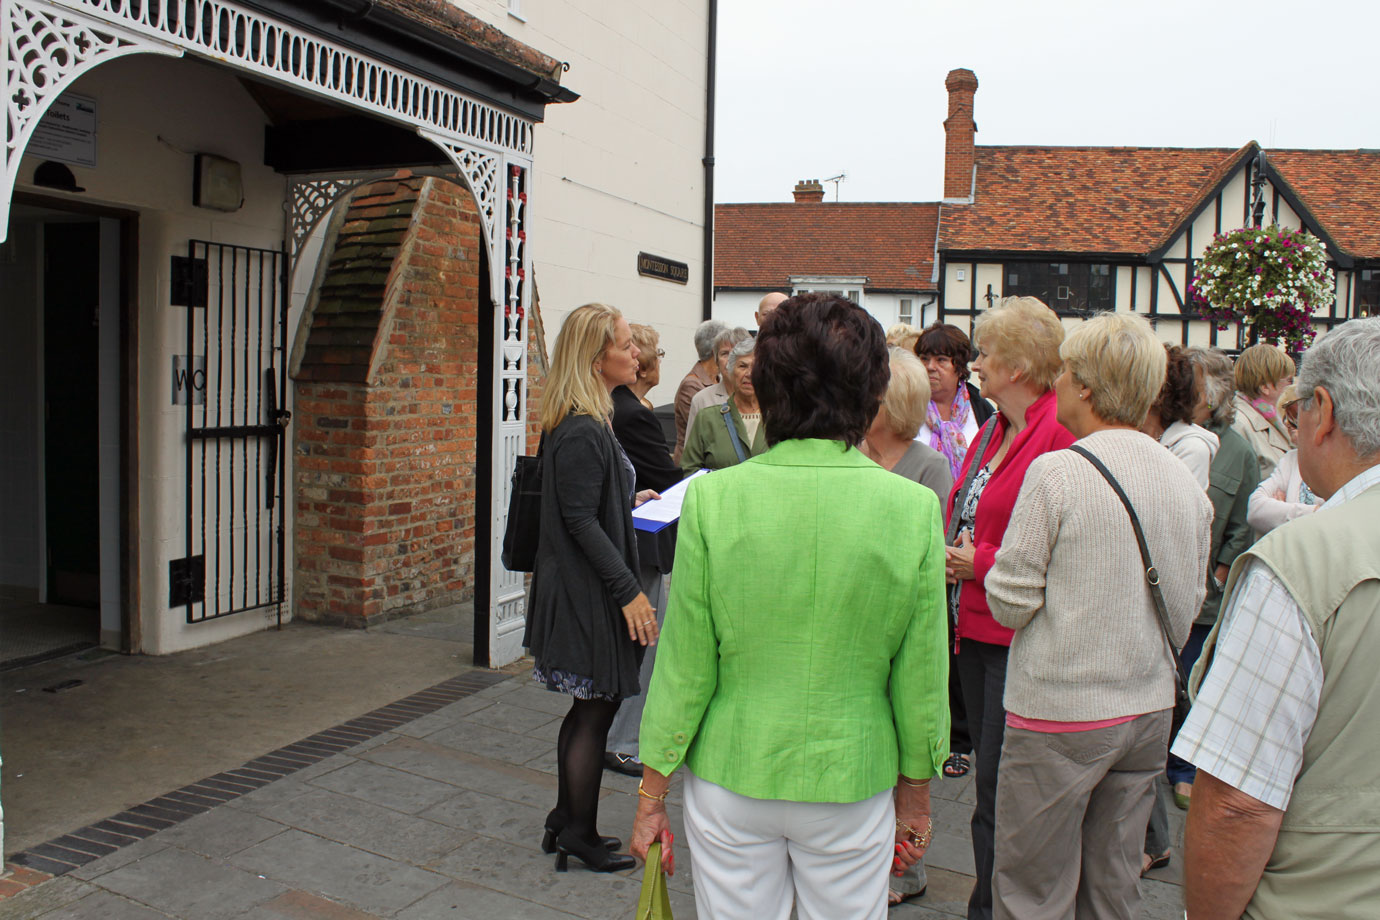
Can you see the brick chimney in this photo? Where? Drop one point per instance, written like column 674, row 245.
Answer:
column 809, row 190
column 959, row 129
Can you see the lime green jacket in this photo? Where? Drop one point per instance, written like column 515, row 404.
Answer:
column 803, row 654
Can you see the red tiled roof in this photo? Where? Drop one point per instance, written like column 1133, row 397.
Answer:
column 1342, row 189
column 762, row 246
column 1082, row 199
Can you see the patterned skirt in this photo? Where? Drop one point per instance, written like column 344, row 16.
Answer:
column 577, row 685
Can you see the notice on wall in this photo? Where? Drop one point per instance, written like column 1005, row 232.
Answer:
column 67, row 131
column 189, row 380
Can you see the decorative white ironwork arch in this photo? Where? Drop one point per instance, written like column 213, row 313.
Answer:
column 48, row 44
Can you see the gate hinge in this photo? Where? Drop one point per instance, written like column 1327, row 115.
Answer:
column 187, row 282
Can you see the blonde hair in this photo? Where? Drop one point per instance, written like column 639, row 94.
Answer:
column 1286, row 396
column 907, row 396
column 1259, row 366
column 1025, row 334
column 572, row 384
column 902, row 335
column 646, row 339
column 1118, row 357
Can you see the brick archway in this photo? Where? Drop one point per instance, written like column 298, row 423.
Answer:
column 388, row 441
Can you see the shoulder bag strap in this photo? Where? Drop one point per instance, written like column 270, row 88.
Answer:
column 733, row 432
column 1152, row 575
column 951, row 532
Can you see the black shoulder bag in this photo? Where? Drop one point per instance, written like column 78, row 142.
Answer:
column 524, row 514
column 1152, row 578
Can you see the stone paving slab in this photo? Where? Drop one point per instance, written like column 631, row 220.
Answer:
column 437, row 817
column 184, row 884
column 339, row 872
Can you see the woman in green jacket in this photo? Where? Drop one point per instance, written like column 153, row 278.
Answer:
column 803, row 673
column 709, row 445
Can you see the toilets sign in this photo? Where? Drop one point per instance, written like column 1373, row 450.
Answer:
column 67, row 131
column 189, row 380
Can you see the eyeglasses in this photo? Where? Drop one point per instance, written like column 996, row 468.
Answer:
column 939, row 360
column 661, row 352
column 1290, row 411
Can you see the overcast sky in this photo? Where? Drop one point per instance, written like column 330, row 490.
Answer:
column 813, row 88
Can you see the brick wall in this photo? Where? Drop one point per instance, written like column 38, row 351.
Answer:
column 959, row 134
column 386, row 411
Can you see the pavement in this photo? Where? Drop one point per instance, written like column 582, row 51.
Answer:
column 436, row 813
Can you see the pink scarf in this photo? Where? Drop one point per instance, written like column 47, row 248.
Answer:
column 1267, row 410
column 947, row 437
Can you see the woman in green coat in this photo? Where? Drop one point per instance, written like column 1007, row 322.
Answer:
column 709, row 445
column 803, row 671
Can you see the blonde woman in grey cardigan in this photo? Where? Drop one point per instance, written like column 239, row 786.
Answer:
column 1090, row 680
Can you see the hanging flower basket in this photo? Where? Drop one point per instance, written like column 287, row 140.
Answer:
column 1270, row 281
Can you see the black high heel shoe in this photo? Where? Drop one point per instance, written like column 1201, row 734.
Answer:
column 596, row 858
column 548, row 841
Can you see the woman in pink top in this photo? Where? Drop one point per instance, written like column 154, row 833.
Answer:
column 1018, row 359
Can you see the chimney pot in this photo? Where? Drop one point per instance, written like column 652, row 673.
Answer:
column 809, row 190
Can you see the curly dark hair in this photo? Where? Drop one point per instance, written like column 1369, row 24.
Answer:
column 821, row 369
column 942, row 339
column 1179, row 394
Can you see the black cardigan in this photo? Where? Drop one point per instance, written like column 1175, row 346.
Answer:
column 638, row 430
column 586, row 560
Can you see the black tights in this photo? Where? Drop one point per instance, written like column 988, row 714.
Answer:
column 580, row 757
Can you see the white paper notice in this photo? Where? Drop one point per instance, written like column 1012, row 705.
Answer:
column 67, row 131
column 666, row 510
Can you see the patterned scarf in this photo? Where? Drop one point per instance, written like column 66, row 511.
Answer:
column 1266, row 408
column 947, row 437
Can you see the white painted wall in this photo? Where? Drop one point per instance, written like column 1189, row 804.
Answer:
column 618, row 171
column 737, row 307
column 154, row 114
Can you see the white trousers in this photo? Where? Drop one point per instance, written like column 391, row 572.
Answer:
column 753, row 857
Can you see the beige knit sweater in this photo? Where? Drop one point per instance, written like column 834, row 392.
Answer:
column 1069, row 579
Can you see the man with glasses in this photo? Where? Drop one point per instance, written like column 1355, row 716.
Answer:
column 1285, row 820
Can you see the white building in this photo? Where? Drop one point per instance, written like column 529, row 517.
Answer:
column 878, row 254
column 171, row 176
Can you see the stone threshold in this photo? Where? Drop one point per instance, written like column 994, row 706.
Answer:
column 62, row 854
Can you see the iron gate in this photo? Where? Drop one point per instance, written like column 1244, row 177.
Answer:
column 236, row 429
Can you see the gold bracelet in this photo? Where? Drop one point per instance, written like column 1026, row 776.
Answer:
column 647, row 795
column 923, row 782
column 917, row 840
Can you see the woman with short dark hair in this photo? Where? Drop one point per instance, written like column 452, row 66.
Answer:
column 957, row 410
column 808, row 698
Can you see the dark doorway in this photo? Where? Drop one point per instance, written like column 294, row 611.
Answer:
column 64, row 316
column 71, row 359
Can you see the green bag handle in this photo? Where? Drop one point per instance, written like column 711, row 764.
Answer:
column 654, row 903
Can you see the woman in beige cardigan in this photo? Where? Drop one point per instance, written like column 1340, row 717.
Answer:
column 1090, row 679
column 1262, row 372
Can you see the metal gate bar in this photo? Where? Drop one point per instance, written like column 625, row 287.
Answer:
column 235, row 456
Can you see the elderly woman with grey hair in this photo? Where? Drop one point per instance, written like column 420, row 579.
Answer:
column 728, row 434
column 1090, row 678
column 718, row 394
column 703, row 374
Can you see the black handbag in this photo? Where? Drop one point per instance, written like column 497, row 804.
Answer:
column 524, row 515
column 1152, row 578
